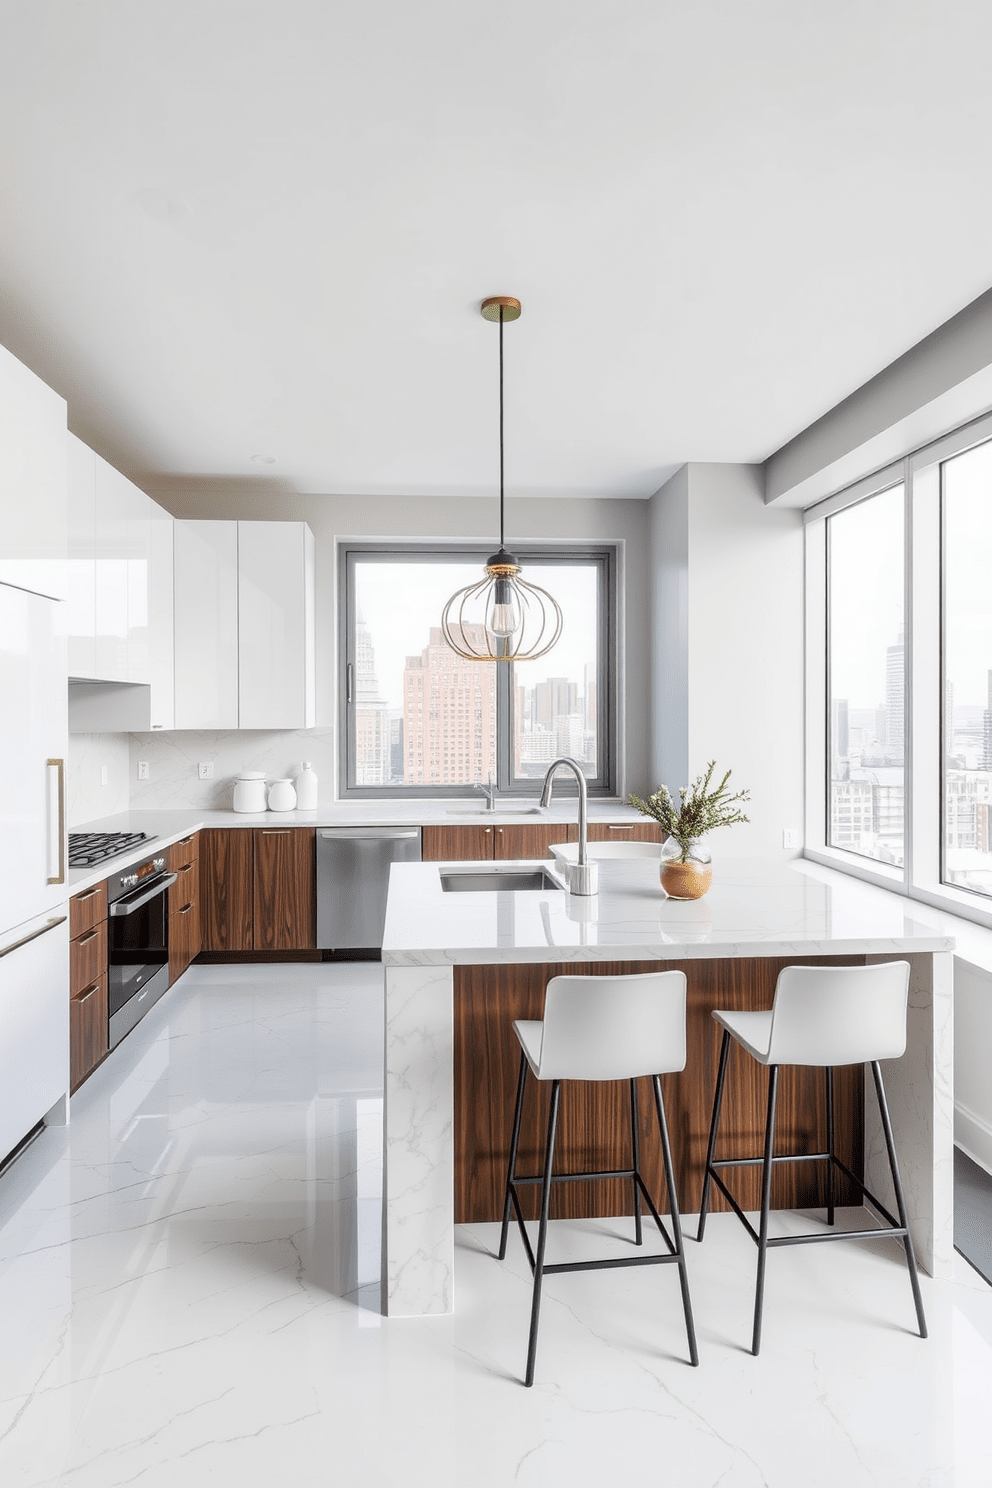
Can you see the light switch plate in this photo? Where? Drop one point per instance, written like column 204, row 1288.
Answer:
column 790, row 838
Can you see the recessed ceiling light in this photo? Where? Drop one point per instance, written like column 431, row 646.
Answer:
column 264, row 459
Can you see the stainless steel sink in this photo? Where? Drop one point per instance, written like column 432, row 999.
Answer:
column 496, row 880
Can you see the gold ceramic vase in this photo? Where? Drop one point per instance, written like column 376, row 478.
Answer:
column 686, row 869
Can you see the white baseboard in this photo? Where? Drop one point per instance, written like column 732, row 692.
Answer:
column 973, row 1134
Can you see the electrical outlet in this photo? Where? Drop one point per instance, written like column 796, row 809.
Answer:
column 790, row 838
column 206, row 769
column 103, row 775
column 142, row 769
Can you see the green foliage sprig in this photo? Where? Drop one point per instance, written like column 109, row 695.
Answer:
column 700, row 809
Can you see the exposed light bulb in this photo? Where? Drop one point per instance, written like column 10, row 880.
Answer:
column 504, row 617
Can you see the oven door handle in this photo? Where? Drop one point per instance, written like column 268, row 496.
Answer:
column 128, row 906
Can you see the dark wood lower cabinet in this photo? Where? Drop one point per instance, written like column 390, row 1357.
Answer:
column 184, row 939
column 226, row 888
column 87, row 1030
column 519, row 841
column 642, row 831
column 594, row 1128
column 456, row 844
column 284, row 889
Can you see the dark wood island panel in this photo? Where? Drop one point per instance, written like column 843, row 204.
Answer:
column 594, row 1128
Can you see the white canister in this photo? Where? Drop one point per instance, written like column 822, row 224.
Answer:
column 282, row 796
column 249, row 791
column 306, row 789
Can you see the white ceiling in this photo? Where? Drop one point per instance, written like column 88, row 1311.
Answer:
column 241, row 227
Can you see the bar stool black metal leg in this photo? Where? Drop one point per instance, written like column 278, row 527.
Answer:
column 638, row 1237
column 830, row 1145
column 542, row 1237
column 511, row 1167
column 715, row 1121
column 766, row 1195
column 676, row 1219
column 883, row 1107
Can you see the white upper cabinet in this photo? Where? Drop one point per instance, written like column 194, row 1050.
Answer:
column 81, row 584
column 244, row 625
column 206, row 558
column 32, row 482
column 119, row 614
column 275, row 625
column 161, row 611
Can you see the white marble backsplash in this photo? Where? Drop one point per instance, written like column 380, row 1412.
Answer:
column 87, row 798
column 174, row 758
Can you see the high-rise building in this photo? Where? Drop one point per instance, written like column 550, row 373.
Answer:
column 449, row 715
column 895, row 698
column 554, row 698
column 372, row 743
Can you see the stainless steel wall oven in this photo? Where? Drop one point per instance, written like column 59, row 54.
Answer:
column 138, row 949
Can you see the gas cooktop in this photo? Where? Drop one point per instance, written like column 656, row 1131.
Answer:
column 87, row 848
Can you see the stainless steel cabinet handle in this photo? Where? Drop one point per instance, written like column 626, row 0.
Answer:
column 87, row 893
column 349, row 681
column 128, row 906
column 59, row 765
column 275, row 831
column 629, row 828
column 85, row 996
column 186, row 909
column 90, row 935
column 26, row 939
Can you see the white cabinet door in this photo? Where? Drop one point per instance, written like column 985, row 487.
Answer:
column 113, row 534
column 275, row 625
column 81, row 585
column 206, row 558
column 32, row 482
column 33, row 731
column 161, row 611
column 139, row 539
column 34, row 1031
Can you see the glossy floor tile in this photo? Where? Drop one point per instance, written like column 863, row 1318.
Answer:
column 189, row 1296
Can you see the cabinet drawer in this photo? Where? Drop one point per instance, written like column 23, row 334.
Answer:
column 184, row 939
column 628, row 831
column 184, row 852
column 87, row 958
column 186, row 888
column 87, row 909
column 87, row 1030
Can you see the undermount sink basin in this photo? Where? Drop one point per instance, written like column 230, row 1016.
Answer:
column 496, row 880
column 481, row 814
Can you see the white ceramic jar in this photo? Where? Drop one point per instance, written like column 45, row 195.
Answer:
column 282, row 796
column 249, row 791
column 306, row 789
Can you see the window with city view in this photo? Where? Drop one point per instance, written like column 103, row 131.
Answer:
column 967, row 669
column 867, row 677
column 423, row 719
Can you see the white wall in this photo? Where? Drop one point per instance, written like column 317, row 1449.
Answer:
column 174, row 758
column 332, row 517
column 737, row 641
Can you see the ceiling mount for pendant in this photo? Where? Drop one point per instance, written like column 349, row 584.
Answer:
column 502, row 617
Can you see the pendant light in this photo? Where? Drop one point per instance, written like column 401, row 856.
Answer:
column 501, row 617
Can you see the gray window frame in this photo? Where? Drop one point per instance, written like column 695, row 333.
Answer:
column 605, row 555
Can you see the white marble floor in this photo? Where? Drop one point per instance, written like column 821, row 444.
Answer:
column 188, row 1296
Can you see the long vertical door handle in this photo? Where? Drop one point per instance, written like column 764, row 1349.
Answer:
column 59, row 765
column 350, row 681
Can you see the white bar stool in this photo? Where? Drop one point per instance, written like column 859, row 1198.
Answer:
column 822, row 1016
column 601, row 1028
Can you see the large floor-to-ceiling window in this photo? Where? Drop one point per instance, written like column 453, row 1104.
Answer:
column 899, row 664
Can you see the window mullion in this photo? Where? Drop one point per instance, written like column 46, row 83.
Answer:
column 924, row 680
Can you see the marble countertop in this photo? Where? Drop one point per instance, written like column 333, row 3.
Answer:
column 167, row 825
column 755, row 907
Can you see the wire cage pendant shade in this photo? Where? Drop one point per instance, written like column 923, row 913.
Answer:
column 501, row 617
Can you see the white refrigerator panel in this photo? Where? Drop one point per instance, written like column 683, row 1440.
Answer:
column 33, row 739
column 206, row 558
column 34, row 1029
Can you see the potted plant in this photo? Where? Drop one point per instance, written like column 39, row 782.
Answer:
column 686, row 866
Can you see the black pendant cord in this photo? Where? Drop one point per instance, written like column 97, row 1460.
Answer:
column 501, row 427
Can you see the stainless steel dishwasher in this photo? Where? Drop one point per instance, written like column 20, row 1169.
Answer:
column 352, row 879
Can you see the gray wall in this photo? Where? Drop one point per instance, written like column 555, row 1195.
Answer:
column 418, row 518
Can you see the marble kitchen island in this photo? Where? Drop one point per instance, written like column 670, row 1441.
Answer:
column 458, row 967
